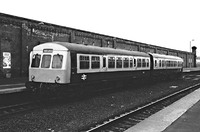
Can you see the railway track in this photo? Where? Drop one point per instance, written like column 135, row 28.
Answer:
column 6, row 111
column 20, row 107
column 122, row 122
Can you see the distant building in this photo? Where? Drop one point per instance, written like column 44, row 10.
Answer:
column 198, row 61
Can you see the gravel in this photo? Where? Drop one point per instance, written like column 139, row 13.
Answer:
column 74, row 116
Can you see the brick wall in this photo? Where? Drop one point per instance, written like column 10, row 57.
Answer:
column 19, row 35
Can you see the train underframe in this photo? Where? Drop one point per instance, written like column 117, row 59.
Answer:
column 40, row 89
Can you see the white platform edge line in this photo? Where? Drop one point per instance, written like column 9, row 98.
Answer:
column 11, row 90
column 12, row 84
column 162, row 119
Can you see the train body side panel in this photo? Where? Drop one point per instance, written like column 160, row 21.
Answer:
column 110, row 76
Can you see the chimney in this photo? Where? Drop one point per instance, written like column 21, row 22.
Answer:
column 194, row 51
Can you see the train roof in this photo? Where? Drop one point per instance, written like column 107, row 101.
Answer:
column 162, row 56
column 87, row 49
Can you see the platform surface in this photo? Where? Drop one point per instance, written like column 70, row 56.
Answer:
column 188, row 122
column 11, row 85
column 181, row 116
column 192, row 69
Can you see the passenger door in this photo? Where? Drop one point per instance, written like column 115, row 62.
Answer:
column 104, row 63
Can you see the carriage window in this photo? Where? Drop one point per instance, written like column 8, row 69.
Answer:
column 95, row 62
column 155, row 63
column 111, row 62
column 171, row 63
column 119, row 62
column 57, row 61
column 134, row 63
column 126, row 62
column 179, row 64
column 104, row 61
column 139, row 62
column 36, row 60
column 160, row 64
column 46, row 59
column 163, row 63
column 143, row 63
column 84, row 62
column 131, row 62
column 167, row 62
column 147, row 62
column 175, row 63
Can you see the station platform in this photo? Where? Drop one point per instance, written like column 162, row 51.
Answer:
column 11, row 85
column 192, row 69
column 188, row 122
column 181, row 116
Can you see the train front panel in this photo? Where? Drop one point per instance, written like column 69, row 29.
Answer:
column 50, row 64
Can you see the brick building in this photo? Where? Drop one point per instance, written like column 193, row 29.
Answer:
column 19, row 35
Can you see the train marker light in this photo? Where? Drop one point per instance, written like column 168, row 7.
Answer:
column 57, row 79
column 32, row 77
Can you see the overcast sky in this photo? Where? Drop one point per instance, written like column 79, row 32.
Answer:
column 167, row 23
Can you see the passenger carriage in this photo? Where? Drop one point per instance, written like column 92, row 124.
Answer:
column 166, row 66
column 74, row 64
column 62, row 65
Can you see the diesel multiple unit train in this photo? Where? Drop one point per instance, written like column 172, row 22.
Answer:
column 58, row 66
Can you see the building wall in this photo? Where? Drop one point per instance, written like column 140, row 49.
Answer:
column 10, row 39
column 198, row 61
column 18, row 36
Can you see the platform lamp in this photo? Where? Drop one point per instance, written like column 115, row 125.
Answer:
column 190, row 58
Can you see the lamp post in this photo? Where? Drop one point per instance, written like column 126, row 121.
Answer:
column 190, row 57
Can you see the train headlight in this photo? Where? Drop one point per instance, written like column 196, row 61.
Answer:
column 57, row 79
column 32, row 77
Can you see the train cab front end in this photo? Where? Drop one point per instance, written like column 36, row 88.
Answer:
column 49, row 66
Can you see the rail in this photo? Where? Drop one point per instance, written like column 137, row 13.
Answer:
column 17, row 108
column 130, row 118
